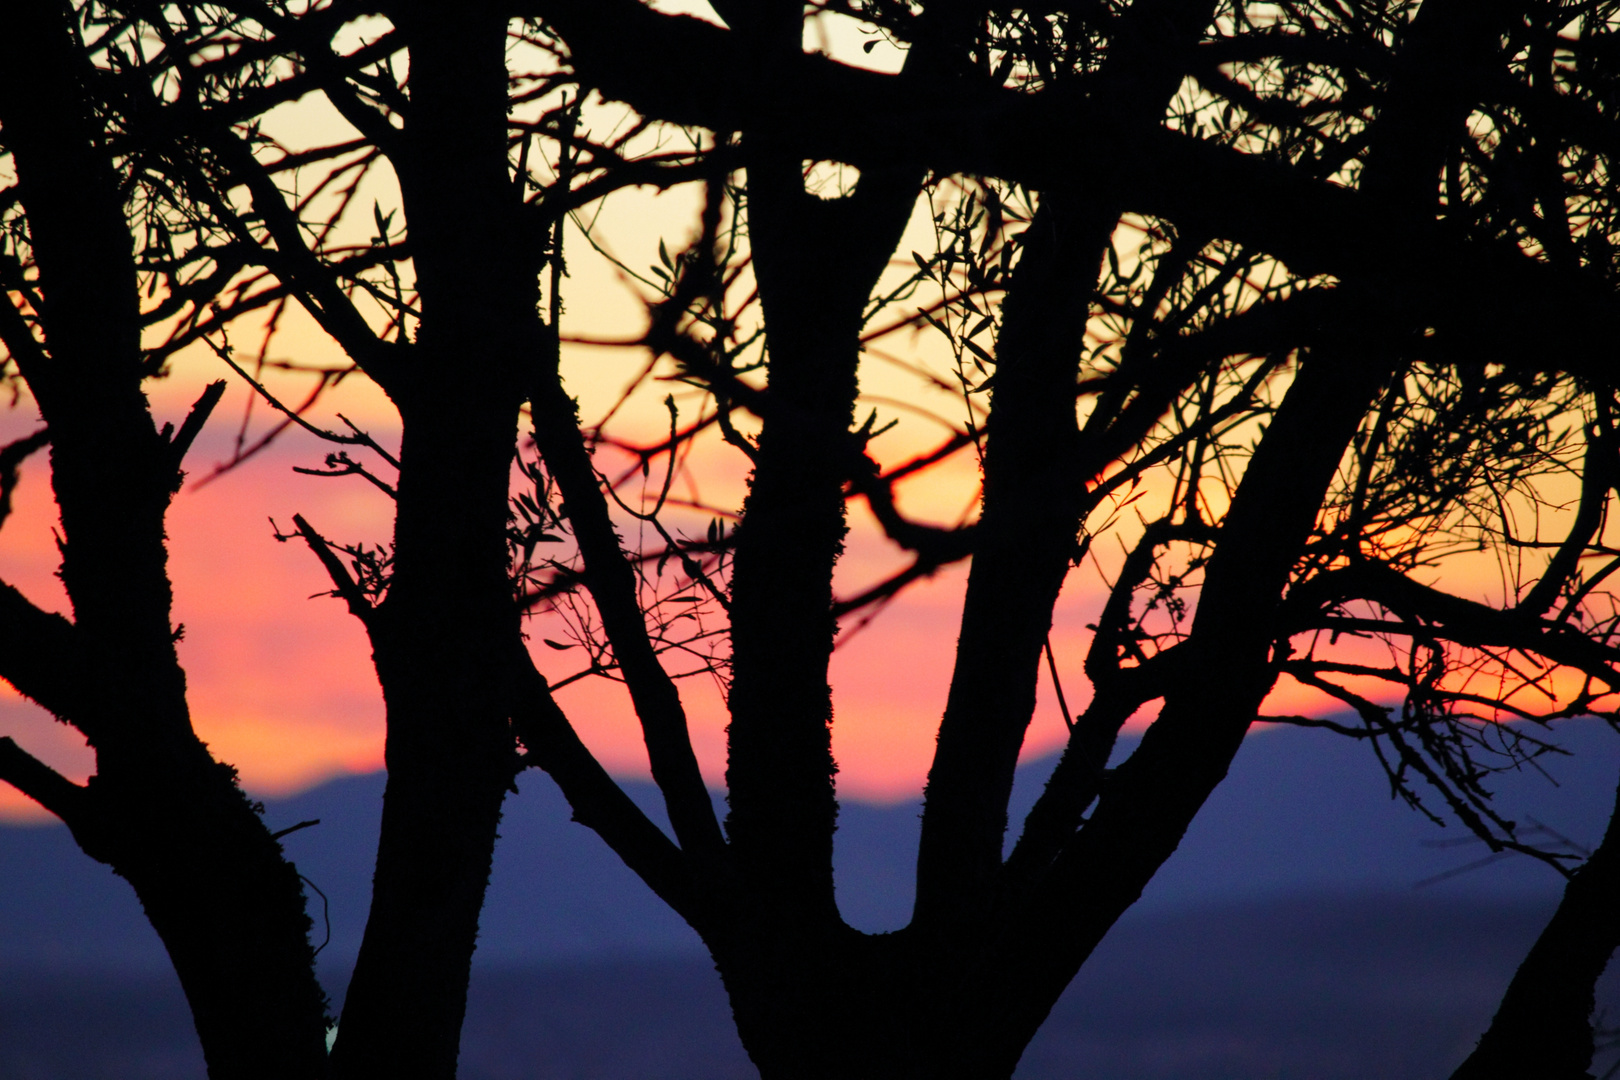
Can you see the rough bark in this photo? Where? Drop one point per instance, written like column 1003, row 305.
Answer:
column 441, row 636
column 163, row 813
column 1032, row 508
column 816, row 262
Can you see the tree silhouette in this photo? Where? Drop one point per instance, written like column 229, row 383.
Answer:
column 1268, row 316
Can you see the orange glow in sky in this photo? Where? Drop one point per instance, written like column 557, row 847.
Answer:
column 280, row 678
column 281, row 684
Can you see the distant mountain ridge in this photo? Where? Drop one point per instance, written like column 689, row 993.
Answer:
column 1301, row 812
column 1286, row 938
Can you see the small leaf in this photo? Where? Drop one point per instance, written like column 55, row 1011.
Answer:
column 559, row 646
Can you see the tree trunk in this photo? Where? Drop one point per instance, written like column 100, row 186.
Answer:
column 817, row 262
column 441, row 638
column 159, row 810
column 1543, row 1028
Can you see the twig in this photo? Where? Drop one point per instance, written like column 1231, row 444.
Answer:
column 359, row 438
column 294, row 828
column 1051, row 667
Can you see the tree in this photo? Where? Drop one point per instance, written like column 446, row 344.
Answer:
column 1228, row 287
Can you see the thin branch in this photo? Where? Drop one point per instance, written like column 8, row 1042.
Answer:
column 357, row 438
column 346, row 587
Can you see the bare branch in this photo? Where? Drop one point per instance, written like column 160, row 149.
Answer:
column 597, row 801
column 39, row 656
column 42, row 783
column 356, row 437
column 195, row 419
column 11, row 458
column 344, row 585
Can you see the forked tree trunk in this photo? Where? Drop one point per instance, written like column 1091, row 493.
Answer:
column 781, row 958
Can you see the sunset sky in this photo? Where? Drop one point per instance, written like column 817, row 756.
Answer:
column 281, row 684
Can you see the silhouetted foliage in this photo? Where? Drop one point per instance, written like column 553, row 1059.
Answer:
column 1276, row 321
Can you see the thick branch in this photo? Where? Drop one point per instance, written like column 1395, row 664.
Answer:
column 39, row 656
column 611, row 581
column 597, row 800
column 11, row 458
column 1543, row 1026
column 42, row 783
column 823, row 110
column 1120, row 691
column 18, row 336
column 1026, row 537
column 1151, row 798
column 1465, row 622
column 176, row 825
column 1033, row 495
column 193, row 424
column 816, row 262
column 1081, row 772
